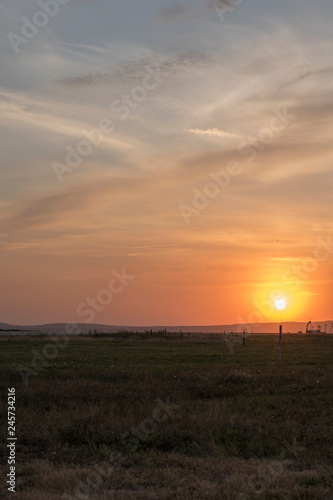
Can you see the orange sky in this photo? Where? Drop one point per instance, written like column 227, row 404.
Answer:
column 212, row 186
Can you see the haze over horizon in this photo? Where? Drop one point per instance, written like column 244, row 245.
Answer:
column 171, row 166
column 322, row 327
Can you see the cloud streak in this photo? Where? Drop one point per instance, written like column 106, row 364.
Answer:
column 213, row 132
column 132, row 71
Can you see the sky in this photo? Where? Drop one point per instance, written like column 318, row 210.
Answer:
column 165, row 162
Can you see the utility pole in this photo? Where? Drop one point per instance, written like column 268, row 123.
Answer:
column 280, row 342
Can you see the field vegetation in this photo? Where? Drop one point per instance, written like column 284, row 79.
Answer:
column 158, row 416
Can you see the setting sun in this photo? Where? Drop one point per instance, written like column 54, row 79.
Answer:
column 280, row 304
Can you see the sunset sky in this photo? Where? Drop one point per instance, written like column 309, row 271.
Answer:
column 172, row 96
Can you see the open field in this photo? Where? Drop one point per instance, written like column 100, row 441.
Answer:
column 157, row 418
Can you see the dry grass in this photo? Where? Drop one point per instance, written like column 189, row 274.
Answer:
column 244, row 427
column 175, row 476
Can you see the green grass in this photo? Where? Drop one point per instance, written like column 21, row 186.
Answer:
column 244, row 427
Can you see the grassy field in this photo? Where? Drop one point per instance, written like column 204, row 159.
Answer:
column 148, row 417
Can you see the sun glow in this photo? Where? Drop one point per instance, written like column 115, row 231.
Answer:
column 280, row 304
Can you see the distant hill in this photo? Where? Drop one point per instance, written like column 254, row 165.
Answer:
column 291, row 327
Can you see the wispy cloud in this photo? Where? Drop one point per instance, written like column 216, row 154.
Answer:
column 213, row 131
column 132, row 71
